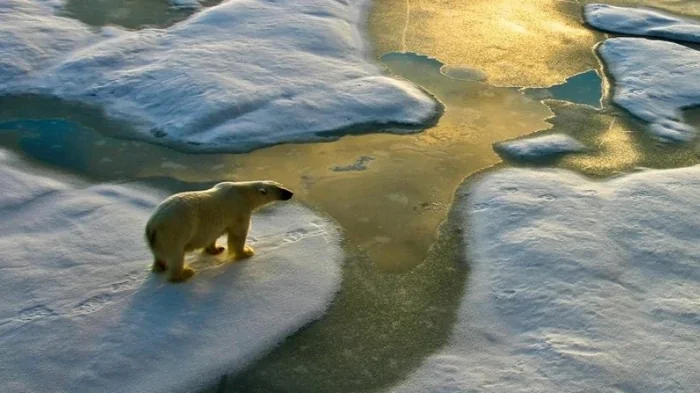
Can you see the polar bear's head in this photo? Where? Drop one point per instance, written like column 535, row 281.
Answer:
column 270, row 191
column 258, row 193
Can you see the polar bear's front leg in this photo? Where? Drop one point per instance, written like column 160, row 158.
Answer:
column 236, row 240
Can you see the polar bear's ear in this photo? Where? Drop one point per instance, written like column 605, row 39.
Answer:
column 263, row 191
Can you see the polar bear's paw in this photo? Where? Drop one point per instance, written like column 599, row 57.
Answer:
column 247, row 253
column 214, row 250
column 186, row 273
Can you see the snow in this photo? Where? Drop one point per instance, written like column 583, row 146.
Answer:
column 81, row 312
column 655, row 80
column 538, row 148
column 234, row 77
column 31, row 37
column 576, row 286
column 642, row 22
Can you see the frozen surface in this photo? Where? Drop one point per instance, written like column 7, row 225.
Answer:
column 237, row 76
column 81, row 312
column 538, row 148
column 576, row 286
column 655, row 80
column 642, row 22
column 31, row 37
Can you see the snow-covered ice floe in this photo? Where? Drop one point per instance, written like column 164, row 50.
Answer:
column 642, row 22
column 32, row 38
column 539, row 148
column 576, row 286
column 655, row 80
column 81, row 312
column 237, row 76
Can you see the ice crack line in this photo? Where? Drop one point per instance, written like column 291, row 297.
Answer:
column 405, row 27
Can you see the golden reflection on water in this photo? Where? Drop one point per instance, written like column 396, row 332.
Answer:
column 614, row 151
column 392, row 206
column 626, row 145
column 388, row 192
column 616, row 142
column 516, row 42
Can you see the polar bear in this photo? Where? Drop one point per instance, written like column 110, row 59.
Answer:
column 191, row 220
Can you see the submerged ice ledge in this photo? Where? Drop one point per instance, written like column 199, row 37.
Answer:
column 238, row 76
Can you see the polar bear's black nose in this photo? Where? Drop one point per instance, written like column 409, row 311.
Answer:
column 286, row 194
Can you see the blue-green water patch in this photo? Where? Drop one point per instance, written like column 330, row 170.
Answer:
column 585, row 88
column 54, row 141
column 72, row 146
column 403, row 63
column 441, row 79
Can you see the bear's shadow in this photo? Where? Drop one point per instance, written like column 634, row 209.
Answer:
column 159, row 303
column 163, row 321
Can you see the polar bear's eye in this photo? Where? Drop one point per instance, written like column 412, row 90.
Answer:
column 263, row 191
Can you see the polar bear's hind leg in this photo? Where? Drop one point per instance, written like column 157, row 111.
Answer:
column 213, row 249
column 185, row 273
column 159, row 266
column 178, row 271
